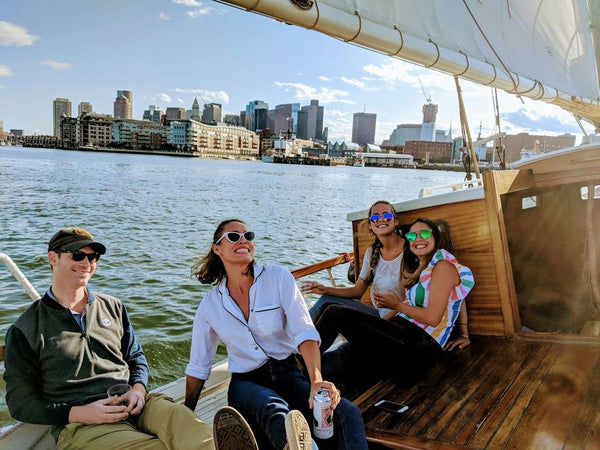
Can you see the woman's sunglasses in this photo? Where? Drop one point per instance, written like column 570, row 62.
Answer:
column 234, row 236
column 80, row 256
column 412, row 236
column 387, row 216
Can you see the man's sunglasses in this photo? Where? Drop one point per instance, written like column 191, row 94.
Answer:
column 412, row 236
column 80, row 256
column 387, row 216
column 234, row 236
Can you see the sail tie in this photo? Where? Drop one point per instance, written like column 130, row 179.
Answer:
column 359, row 26
column 401, row 41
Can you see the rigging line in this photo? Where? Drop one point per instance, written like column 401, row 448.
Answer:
column 359, row 26
column 491, row 46
column 401, row 41
column 468, row 64
column 437, row 48
column 312, row 27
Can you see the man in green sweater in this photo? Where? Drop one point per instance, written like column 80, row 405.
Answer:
column 68, row 348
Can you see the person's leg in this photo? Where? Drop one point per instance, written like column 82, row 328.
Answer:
column 120, row 435
column 349, row 428
column 317, row 309
column 262, row 407
column 176, row 426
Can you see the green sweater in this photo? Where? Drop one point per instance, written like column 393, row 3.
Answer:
column 51, row 364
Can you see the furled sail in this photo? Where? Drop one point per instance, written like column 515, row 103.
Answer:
column 542, row 49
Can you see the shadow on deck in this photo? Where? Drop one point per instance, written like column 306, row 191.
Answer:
column 497, row 393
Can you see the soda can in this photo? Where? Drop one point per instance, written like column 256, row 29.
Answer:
column 323, row 414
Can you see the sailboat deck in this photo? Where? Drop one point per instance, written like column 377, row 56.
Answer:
column 497, row 393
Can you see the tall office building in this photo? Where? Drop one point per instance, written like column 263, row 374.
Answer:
column 153, row 114
column 84, row 107
column 174, row 113
column 62, row 108
column 256, row 115
column 194, row 113
column 310, row 121
column 283, row 120
column 429, row 117
column 123, row 105
column 363, row 128
column 211, row 113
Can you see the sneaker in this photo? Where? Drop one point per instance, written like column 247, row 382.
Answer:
column 231, row 431
column 297, row 431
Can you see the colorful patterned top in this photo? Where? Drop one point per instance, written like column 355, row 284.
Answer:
column 418, row 295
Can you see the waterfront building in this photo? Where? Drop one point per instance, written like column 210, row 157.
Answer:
column 310, row 121
column 211, row 113
column 139, row 134
column 153, row 114
column 61, row 108
column 95, row 129
column 69, row 132
column 430, row 111
column 16, row 132
column 213, row 140
column 255, row 118
column 283, row 120
column 363, row 128
column 525, row 141
column 429, row 151
column 173, row 113
column 1, row 125
column 84, row 108
column 385, row 159
column 41, row 141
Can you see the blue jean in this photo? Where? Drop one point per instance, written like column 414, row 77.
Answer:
column 265, row 395
column 316, row 309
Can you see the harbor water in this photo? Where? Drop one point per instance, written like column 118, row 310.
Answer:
column 156, row 216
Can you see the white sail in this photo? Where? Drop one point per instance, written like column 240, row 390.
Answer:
column 541, row 49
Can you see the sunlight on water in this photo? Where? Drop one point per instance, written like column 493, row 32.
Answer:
column 156, row 215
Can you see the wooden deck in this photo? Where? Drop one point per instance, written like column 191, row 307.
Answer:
column 498, row 393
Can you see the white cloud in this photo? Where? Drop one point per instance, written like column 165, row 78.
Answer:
column 163, row 16
column 11, row 34
column 200, row 12
column 188, row 3
column 336, row 113
column 5, row 71
column 57, row 65
column 180, row 101
column 323, row 78
column 206, row 96
column 164, row 98
column 354, row 82
column 324, row 95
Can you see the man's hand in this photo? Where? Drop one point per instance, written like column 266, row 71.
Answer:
column 137, row 399
column 100, row 411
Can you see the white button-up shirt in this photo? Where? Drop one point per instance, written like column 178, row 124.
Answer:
column 277, row 324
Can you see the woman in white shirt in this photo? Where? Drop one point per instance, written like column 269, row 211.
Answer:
column 259, row 314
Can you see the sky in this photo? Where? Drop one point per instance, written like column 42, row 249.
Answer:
column 169, row 52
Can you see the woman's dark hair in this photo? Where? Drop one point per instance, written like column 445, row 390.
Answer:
column 376, row 245
column 209, row 269
column 411, row 265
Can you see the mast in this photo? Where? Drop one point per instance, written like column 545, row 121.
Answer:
column 469, row 156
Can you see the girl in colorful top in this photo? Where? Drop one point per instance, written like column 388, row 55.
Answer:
column 259, row 314
column 418, row 328
column 380, row 268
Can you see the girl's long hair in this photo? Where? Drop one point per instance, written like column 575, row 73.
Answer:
column 411, row 265
column 209, row 269
column 376, row 245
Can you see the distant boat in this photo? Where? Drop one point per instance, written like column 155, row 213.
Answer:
column 267, row 158
column 358, row 162
column 87, row 147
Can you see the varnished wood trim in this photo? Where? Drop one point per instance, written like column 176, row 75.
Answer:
column 322, row 265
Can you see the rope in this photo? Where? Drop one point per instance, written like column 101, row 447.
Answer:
column 359, row 26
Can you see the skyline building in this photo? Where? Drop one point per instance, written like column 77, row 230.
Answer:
column 84, row 107
column 211, row 113
column 256, row 115
column 174, row 113
column 153, row 114
column 123, row 105
column 283, row 119
column 61, row 108
column 363, row 128
column 194, row 113
column 310, row 121
column 428, row 132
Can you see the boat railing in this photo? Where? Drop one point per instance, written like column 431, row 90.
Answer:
column 327, row 265
column 453, row 187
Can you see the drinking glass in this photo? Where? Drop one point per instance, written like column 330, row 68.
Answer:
column 118, row 393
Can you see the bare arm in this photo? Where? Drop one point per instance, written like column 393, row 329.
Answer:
column 312, row 358
column 355, row 291
column 444, row 278
column 463, row 327
column 193, row 387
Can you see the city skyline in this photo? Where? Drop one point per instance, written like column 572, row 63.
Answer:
column 174, row 51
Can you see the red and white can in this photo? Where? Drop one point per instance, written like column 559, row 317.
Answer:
column 323, row 414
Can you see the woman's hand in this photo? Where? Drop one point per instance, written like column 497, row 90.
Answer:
column 312, row 287
column 387, row 300
column 460, row 342
column 334, row 394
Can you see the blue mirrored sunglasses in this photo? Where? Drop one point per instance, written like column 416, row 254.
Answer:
column 387, row 216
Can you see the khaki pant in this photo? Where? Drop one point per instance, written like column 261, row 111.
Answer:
column 161, row 425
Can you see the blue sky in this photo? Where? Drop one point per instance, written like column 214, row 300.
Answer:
column 169, row 51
